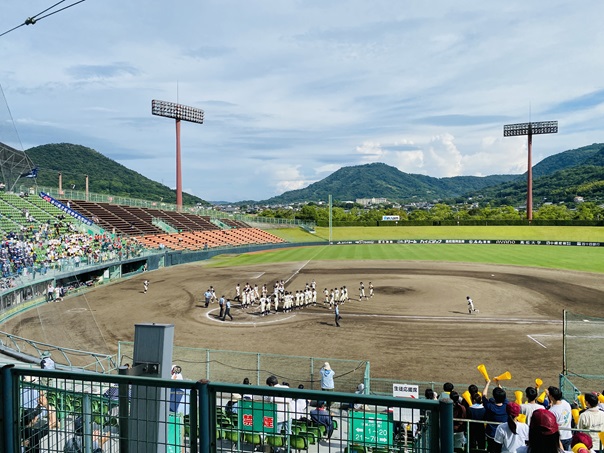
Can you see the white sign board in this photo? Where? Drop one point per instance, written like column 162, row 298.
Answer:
column 406, row 391
column 391, row 217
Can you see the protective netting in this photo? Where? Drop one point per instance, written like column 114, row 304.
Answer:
column 234, row 366
column 583, row 346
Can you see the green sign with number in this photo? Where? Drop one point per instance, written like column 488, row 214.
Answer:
column 371, row 428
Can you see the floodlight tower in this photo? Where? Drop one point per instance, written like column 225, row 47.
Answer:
column 178, row 112
column 542, row 127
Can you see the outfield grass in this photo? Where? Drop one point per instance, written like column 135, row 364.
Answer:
column 537, row 233
column 583, row 259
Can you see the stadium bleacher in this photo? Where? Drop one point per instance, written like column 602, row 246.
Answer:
column 34, row 227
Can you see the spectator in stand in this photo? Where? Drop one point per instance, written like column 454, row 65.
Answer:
column 299, row 407
column 511, row 435
column 582, row 443
column 459, row 426
column 283, row 417
column 246, row 381
column 472, row 390
column 430, row 394
column 544, row 435
column 495, row 411
column 327, row 374
column 562, row 411
column 531, row 405
column 29, row 393
column 592, row 418
column 76, row 442
column 447, row 389
column 477, row 412
column 321, row 416
column 32, row 431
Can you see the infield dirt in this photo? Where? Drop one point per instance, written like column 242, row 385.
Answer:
column 416, row 327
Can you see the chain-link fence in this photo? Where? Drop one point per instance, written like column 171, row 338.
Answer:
column 583, row 340
column 234, row 366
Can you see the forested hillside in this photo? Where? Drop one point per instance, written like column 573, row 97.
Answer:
column 106, row 176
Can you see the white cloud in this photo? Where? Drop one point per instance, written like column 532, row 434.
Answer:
column 442, row 156
column 295, row 90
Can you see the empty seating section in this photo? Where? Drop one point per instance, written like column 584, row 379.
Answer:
column 183, row 221
column 199, row 240
column 136, row 222
column 235, row 223
column 104, row 217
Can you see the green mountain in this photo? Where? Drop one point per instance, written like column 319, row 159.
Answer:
column 383, row 181
column 560, row 177
column 567, row 159
column 105, row 175
column 578, row 172
column 557, row 178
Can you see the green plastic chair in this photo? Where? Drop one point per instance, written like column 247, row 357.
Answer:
column 253, row 438
column 380, row 450
column 355, row 449
column 232, row 435
column 224, row 422
column 276, row 441
column 322, row 430
column 297, row 442
column 315, row 431
column 311, row 438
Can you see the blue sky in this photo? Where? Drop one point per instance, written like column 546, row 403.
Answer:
column 293, row 90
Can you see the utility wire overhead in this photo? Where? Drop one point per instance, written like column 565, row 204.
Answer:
column 33, row 19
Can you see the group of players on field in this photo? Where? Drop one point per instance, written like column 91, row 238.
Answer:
column 249, row 295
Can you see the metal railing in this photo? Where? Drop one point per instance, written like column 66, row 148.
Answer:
column 27, row 349
column 46, row 411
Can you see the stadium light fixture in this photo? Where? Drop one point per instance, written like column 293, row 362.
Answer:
column 530, row 129
column 180, row 113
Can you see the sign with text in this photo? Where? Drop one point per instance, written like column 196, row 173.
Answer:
column 406, row 391
column 370, row 428
column 391, row 217
column 257, row 416
column 65, row 209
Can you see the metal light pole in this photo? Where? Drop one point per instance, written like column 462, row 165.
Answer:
column 542, row 127
column 178, row 112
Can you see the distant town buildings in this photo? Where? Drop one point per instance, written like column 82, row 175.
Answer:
column 370, row 201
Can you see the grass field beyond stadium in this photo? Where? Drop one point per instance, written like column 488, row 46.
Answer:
column 584, row 259
column 533, row 233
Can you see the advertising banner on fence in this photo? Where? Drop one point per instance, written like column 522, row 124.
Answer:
column 473, row 241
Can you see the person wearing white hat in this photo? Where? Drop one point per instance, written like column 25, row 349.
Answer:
column 327, row 374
